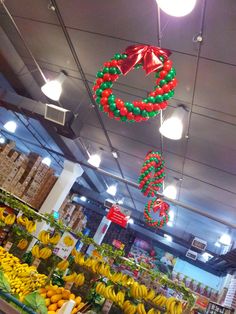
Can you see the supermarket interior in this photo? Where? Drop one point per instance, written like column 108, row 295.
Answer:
column 118, row 156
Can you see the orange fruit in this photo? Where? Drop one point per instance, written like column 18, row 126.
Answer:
column 44, row 295
column 72, row 296
column 66, row 294
column 75, row 310
column 42, row 290
column 61, row 302
column 50, row 293
column 51, row 312
column 59, row 290
column 52, row 307
column 78, row 300
column 55, row 298
column 47, row 301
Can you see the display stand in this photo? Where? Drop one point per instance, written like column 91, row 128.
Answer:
column 215, row 308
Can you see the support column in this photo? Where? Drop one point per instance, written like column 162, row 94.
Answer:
column 59, row 192
column 100, row 233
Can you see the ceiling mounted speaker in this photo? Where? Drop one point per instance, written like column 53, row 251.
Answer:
column 55, row 114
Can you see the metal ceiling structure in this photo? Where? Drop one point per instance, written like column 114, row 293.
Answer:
column 79, row 36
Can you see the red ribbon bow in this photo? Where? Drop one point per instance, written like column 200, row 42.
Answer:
column 148, row 55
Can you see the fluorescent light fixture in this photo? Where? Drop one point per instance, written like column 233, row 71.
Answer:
column 168, row 237
column 114, row 154
column 53, row 89
column 47, row 161
column 10, row 126
column 177, row 8
column 2, row 140
column 121, row 201
column 112, row 189
column 172, row 127
column 94, row 160
column 131, row 221
column 217, row 244
column 170, row 191
column 170, row 223
column 83, row 198
column 225, row 239
column 206, row 256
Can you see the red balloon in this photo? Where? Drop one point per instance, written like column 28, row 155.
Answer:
column 123, row 111
column 103, row 101
column 95, row 87
column 114, row 63
column 107, row 77
column 152, row 94
column 169, row 62
column 156, row 107
column 114, row 77
column 142, row 106
column 99, row 81
column 111, row 114
column 107, row 64
column 163, row 73
column 138, row 118
column 167, row 67
column 106, row 108
column 159, row 91
column 163, row 105
column 166, row 88
column 174, row 81
column 106, row 93
column 171, row 85
column 130, row 116
column 149, row 107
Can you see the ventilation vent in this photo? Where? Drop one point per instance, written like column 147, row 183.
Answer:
column 199, row 244
column 55, row 114
column 191, row 254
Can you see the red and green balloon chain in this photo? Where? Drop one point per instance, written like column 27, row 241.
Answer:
column 135, row 111
column 150, row 183
column 163, row 213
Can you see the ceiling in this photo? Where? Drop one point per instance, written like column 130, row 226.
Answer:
column 206, row 72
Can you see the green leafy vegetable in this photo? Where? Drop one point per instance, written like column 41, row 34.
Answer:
column 35, row 301
column 4, row 284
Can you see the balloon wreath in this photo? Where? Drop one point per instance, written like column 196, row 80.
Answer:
column 152, row 207
column 152, row 174
column 152, row 59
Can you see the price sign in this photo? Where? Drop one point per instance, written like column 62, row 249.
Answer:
column 65, row 245
column 107, row 306
column 8, row 246
column 68, row 285
column 36, row 262
column 119, row 215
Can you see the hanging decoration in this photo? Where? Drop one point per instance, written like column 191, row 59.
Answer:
column 152, row 208
column 152, row 174
column 152, row 59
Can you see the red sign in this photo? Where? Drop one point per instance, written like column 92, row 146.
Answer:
column 118, row 215
column 119, row 245
column 202, row 301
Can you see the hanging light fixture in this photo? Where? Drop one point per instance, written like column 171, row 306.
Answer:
column 170, row 191
column 225, row 239
column 10, row 126
column 2, row 139
column 53, row 89
column 172, row 127
column 177, row 8
column 112, row 189
column 47, row 161
column 94, row 160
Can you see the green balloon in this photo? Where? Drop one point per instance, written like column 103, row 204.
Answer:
column 136, row 111
column 144, row 113
column 124, row 56
column 159, row 99
column 99, row 92
column 106, row 70
column 129, row 106
column 100, row 107
column 100, row 74
column 151, row 99
column 145, row 100
column 157, row 75
column 111, row 98
column 162, row 83
column 168, row 77
column 166, row 96
column 98, row 99
column 117, row 113
column 162, row 58
column 112, row 70
column 112, row 106
column 117, row 56
column 103, row 86
column 152, row 114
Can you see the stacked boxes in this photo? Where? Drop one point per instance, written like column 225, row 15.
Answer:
column 230, row 299
column 25, row 176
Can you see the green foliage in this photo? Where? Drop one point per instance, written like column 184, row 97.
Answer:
column 35, row 301
column 4, row 284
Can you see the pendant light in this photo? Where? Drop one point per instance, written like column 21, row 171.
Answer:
column 177, row 8
column 94, row 160
column 10, row 126
column 53, row 89
column 112, row 189
column 172, row 127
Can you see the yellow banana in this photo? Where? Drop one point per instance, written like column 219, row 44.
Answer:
column 10, row 219
column 63, row 265
column 35, row 251
column 45, row 253
column 70, row 278
column 44, row 237
column 79, row 280
column 55, row 239
column 30, row 226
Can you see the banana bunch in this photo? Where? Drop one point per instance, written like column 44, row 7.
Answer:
column 109, row 293
column 79, row 280
column 10, row 219
column 151, row 295
column 63, row 265
column 2, row 218
column 43, row 253
column 104, row 270
column 44, row 237
column 79, row 257
column 129, row 308
column 22, row 278
column 153, row 311
column 55, row 239
column 141, row 309
column 173, row 306
column 22, row 244
column 22, row 220
column 70, row 278
column 160, row 300
column 30, row 226
column 68, row 241
column 138, row 291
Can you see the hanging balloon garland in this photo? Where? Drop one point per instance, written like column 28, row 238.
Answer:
column 156, row 213
column 152, row 174
column 151, row 179
column 152, row 59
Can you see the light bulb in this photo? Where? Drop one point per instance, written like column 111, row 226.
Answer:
column 2, row 140
column 53, row 89
column 83, row 198
column 94, row 160
column 206, row 256
column 170, row 191
column 177, row 8
column 47, row 161
column 10, row 126
column 112, row 189
column 131, row 221
column 170, row 223
column 225, row 239
column 217, row 244
column 172, row 128
column 168, row 238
